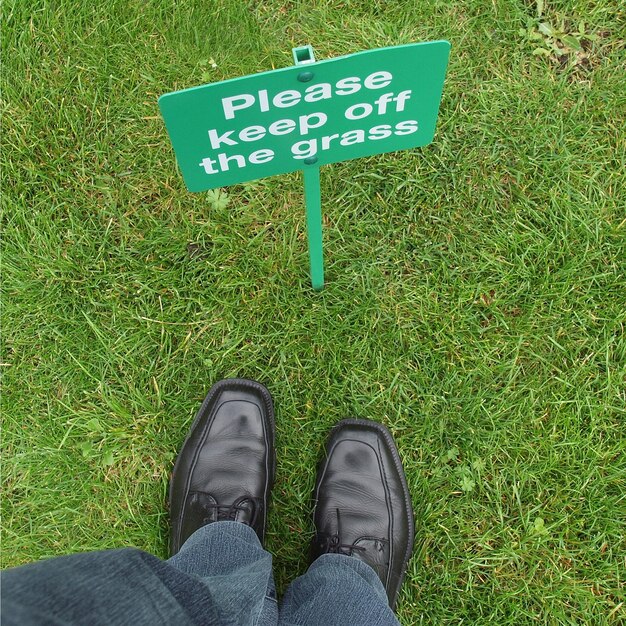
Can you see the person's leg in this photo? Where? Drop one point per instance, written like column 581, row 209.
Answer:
column 364, row 533
column 221, row 575
column 218, row 572
column 238, row 574
column 337, row 589
column 110, row 587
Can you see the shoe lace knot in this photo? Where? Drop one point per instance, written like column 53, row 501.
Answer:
column 225, row 512
column 335, row 545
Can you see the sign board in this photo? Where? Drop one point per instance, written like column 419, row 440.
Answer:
column 307, row 115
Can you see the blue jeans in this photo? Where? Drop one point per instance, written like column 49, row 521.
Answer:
column 221, row 576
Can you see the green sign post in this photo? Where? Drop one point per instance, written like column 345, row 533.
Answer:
column 306, row 116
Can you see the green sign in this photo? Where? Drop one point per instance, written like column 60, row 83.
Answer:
column 302, row 117
column 310, row 114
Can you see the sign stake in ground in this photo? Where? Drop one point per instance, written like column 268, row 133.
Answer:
column 312, row 192
column 305, row 116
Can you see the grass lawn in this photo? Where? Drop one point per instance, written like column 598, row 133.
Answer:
column 475, row 299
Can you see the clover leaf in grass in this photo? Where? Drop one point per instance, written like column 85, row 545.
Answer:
column 107, row 458
column 86, row 447
column 218, row 199
column 452, row 454
column 479, row 465
column 467, row 484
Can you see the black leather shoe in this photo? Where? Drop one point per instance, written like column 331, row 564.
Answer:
column 362, row 502
column 225, row 469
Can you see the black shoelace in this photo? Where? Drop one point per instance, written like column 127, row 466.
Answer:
column 335, row 546
column 224, row 511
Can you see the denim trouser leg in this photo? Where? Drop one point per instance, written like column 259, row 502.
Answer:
column 221, row 576
column 237, row 571
column 337, row 589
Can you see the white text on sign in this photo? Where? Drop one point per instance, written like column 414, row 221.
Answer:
column 261, row 102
